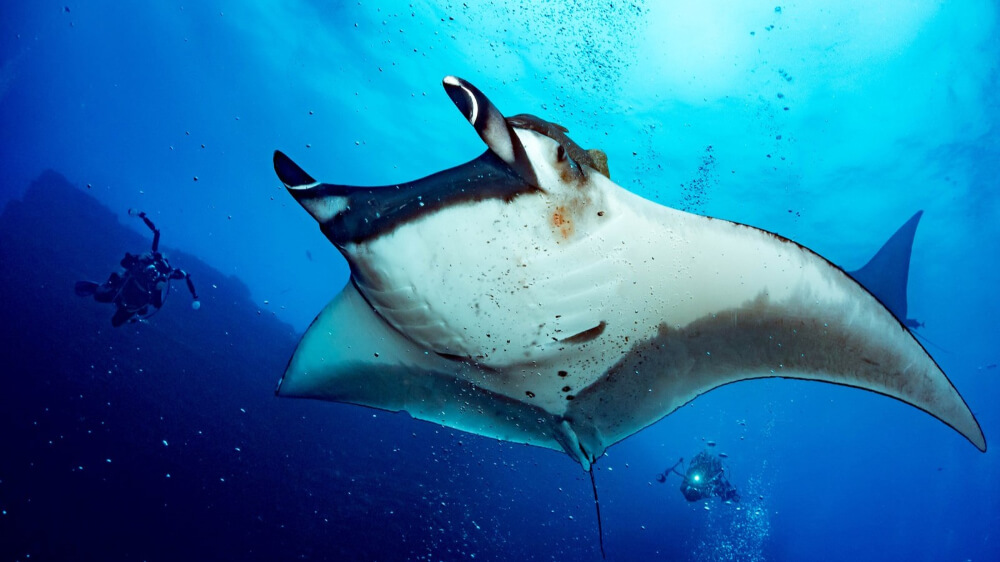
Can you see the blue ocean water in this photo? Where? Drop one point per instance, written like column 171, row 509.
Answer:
column 827, row 123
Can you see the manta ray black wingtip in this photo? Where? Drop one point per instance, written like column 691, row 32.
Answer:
column 979, row 443
column 289, row 172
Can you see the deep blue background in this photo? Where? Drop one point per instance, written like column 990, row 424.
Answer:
column 829, row 124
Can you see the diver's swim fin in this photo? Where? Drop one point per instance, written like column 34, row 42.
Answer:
column 85, row 288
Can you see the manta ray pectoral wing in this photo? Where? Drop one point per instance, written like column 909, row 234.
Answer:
column 349, row 354
column 851, row 340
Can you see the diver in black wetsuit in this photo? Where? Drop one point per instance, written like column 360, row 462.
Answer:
column 140, row 289
column 705, row 477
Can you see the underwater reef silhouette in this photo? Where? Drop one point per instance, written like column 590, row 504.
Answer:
column 162, row 440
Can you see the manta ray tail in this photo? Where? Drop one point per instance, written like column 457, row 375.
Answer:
column 597, row 505
column 886, row 274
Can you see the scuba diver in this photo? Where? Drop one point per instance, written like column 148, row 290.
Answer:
column 139, row 291
column 705, row 477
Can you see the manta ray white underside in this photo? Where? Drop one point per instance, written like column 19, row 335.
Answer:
column 527, row 297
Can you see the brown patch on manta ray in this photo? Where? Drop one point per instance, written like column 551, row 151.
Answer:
column 562, row 221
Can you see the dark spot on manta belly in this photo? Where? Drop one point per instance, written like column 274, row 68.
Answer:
column 570, row 397
column 566, row 389
column 530, row 394
column 563, row 373
column 587, row 335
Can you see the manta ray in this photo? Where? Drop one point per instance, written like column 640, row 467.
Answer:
column 527, row 297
